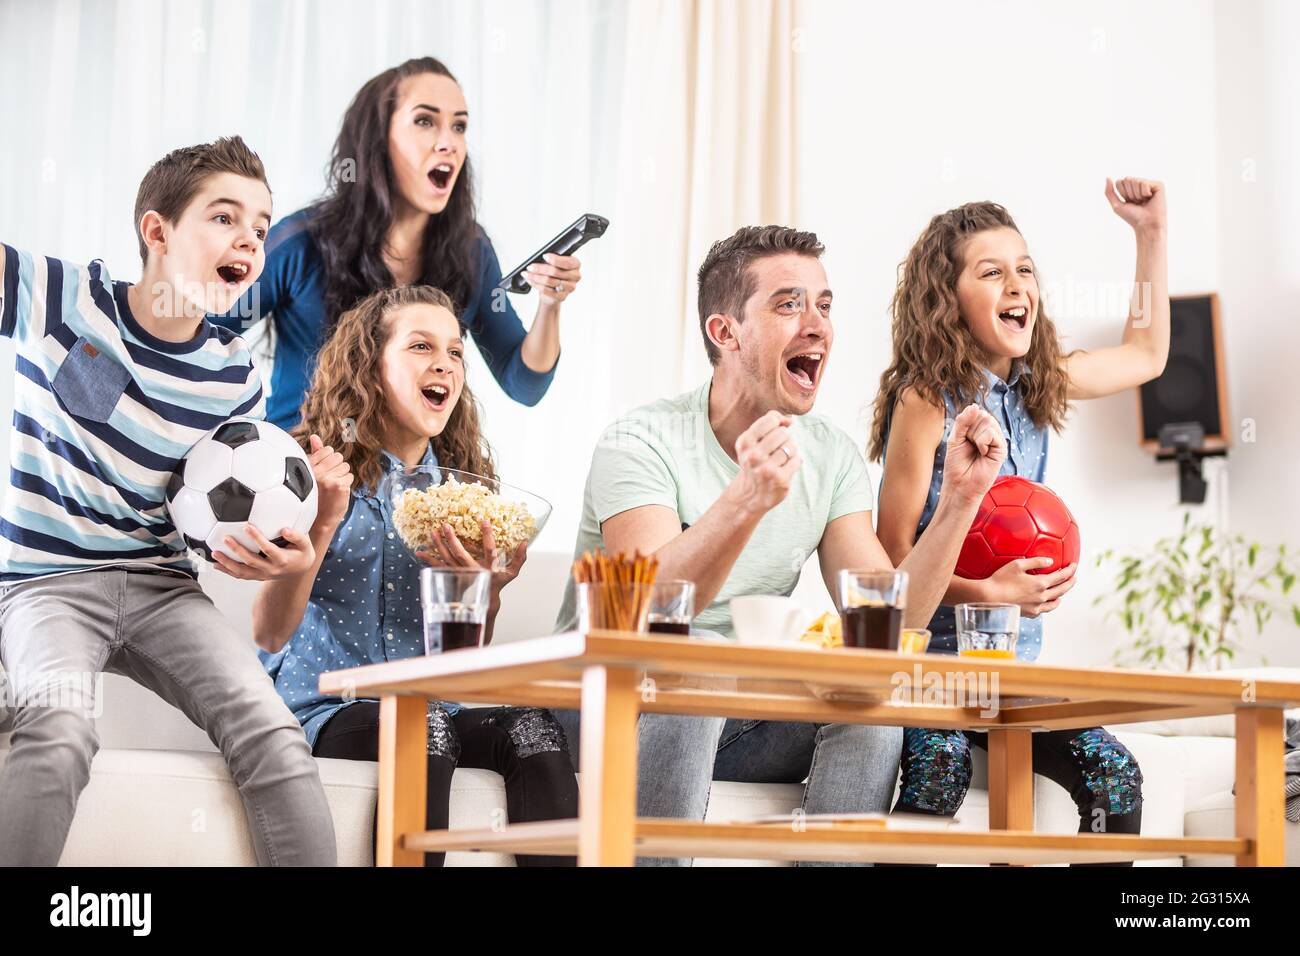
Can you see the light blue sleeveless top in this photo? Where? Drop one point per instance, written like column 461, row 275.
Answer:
column 1026, row 456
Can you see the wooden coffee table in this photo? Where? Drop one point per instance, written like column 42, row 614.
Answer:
column 615, row 676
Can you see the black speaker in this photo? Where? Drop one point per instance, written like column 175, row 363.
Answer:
column 1191, row 391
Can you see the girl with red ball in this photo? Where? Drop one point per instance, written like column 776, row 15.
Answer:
column 968, row 326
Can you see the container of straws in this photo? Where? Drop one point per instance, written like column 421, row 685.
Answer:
column 614, row 591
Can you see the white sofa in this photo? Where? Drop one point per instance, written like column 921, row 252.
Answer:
column 160, row 795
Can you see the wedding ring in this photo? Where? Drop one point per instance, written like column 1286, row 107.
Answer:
column 787, row 454
column 559, row 287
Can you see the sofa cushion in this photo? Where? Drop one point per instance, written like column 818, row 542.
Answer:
column 746, row 801
column 135, row 718
column 1214, row 816
column 1208, row 765
column 179, row 808
column 175, row 808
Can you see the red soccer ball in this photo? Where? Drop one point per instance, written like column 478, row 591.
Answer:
column 1018, row 518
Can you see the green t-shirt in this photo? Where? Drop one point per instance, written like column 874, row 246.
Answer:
column 666, row 454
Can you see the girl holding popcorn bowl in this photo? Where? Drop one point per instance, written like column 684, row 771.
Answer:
column 415, row 485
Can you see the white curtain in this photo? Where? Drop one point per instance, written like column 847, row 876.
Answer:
column 668, row 117
column 706, row 146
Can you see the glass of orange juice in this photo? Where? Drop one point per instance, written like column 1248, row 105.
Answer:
column 988, row 630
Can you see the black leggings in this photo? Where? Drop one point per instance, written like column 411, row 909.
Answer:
column 525, row 745
column 1096, row 770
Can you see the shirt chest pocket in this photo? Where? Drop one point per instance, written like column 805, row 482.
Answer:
column 89, row 383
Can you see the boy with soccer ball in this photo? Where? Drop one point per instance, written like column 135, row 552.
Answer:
column 114, row 383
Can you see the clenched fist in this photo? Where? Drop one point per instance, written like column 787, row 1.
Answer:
column 1139, row 202
column 976, row 451
column 768, row 459
column 333, row 482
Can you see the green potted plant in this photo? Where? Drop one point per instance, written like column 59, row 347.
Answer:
column 1189, row 601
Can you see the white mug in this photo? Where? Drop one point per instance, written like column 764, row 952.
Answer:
column 767, row 619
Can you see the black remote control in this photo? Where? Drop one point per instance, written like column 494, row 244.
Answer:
column 584, row 229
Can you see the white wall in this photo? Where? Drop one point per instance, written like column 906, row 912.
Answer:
column 904, row 110
column 1258, row 148
column 910, row 110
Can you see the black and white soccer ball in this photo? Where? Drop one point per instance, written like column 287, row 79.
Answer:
column 244, row 471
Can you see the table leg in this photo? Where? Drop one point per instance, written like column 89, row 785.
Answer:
column 607, row 803
column 1260, row 781
column 403, row 777
column 1011, row 780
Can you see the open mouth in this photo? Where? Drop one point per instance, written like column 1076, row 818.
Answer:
column 233, row 273
column 804, row 369
column 436, row 396
column 440, row 176
column 1016, row 318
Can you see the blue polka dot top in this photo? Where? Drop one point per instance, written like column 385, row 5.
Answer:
column 364, row 609
column 1026, row 456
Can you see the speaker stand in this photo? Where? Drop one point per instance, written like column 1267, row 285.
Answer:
column 1191, row 481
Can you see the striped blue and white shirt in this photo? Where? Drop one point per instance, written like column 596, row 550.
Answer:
column 103, row 412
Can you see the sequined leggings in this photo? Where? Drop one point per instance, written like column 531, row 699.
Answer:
column 526, row 745
column 1096, row 770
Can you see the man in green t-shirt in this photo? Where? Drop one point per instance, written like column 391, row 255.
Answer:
column 733, row 486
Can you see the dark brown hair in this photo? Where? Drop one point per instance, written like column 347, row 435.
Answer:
column 346, row 407
column 172, row 182
column 933, row 349
column 725, row 283
column 350, row 223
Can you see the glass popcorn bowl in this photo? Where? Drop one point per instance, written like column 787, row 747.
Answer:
column 423, row 498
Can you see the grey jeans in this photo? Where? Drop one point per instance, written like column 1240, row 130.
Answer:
column 849, row 768
column 58, row 634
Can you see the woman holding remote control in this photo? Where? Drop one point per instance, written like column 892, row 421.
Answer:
column 399, row 210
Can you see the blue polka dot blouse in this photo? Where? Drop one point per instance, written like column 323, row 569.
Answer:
column 1026, row 456
column 364, row 609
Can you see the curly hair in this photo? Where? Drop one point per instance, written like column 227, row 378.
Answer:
column 346, row 406
column 933, row 349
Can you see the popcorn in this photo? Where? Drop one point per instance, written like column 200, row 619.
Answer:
column 462, row 505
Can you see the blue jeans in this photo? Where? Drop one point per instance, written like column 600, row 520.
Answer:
column 849, row 768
